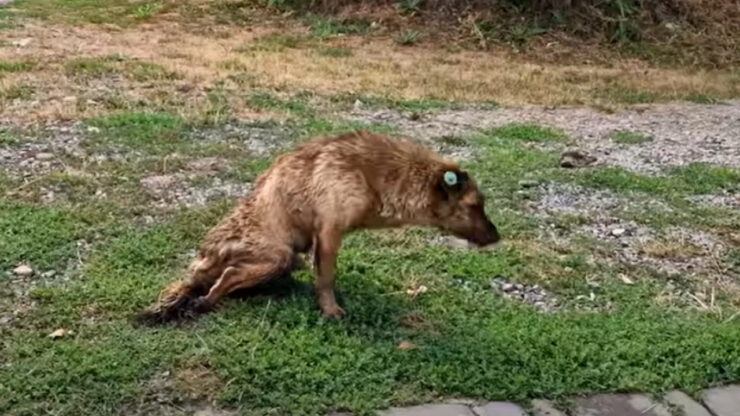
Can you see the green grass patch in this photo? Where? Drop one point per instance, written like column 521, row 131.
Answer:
column 157, row 132
column 629, row 137
column 693, row 179
column 625, row 95
column 408, row 37
column 326, row 27
column 16, row 66
column 334, row 51
column 274, row 42
column 16, row 92
column 118, row 12
column 96, row 67
column 42, row 237
column 526, row 133
column 275, row 352
column 295, row 105
column 92, row 67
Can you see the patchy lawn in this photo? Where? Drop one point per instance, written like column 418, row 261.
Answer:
column 121, row 146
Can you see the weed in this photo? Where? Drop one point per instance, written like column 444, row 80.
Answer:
column 409, row 7
column 217, row 108
column 151, row 131
column 146, row 10
column 629, row 137
column 334, row 52
column 324, row 28
column 274, row 42
column 16, row 66
column 527, row 132
column 625, row 95
column 266, row 100
column 408, row 37
column 92, row 67
column 16, row 92
column 703, row 99
column 148, row 71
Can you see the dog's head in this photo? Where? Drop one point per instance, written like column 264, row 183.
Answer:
column 459, row 208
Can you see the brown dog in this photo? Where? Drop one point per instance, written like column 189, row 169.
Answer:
column 312, row 197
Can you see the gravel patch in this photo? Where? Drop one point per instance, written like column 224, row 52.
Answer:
column 260, row 141
column 555, row 199
column 681, row 133
column 718, row 201
column 42, row 151
column 671, row 251
column 533, row 295
column 177, row 190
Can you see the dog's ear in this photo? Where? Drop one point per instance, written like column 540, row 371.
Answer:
column 452, row 183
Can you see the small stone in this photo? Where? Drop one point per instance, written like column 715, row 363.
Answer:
column 576, row 159
column 507, row 287
column 545, row 408
column 618, row 405
column 49, row 274
column 626, row 280
column 429, row 410
column 93, row 129
column 406, row 345
column 23, row 271
column 22, row 42
column 6, row 320
column 357, row 105
column 158, row 182
column 528, row 183
column 685, row 403
column 59, row 333
column 618, row 232
column 44, row 156
column 499, row 409
column 723, row 401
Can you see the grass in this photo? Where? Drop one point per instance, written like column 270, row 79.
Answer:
column 527, row 133
column 272, row 352
column 325, row 28
column 16, row 66
column 629, row 137
column 408, row 37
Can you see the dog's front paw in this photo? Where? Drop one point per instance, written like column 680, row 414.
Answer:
column 332, row 311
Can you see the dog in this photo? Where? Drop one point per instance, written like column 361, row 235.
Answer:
column 309, row 199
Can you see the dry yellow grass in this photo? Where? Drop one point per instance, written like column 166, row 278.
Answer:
column 377, row 66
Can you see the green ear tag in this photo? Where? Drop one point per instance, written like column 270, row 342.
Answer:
column 450, row 178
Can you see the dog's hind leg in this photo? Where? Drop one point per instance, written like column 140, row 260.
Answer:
column 245, row 275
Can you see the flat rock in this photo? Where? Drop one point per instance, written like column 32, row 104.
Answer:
column 545, row 408
column 158, row 182
column 23, row 271
column 576, row 159
column 618, row 405
column 429, row 410
column 499, row 409
column 686, row 404
column 723, row 401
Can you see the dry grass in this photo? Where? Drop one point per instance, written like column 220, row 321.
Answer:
column 376, row 66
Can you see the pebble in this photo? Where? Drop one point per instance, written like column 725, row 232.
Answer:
column 44, row 156
column 23, row 271
column 528, row 183
column 618, row 232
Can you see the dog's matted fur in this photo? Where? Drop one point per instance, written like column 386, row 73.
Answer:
column 312, row 196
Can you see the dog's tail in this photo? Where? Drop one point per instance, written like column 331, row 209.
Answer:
column 182, row 299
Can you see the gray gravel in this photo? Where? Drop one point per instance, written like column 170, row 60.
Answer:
column 681, row 133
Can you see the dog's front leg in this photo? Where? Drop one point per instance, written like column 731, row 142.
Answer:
column 327, row 246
